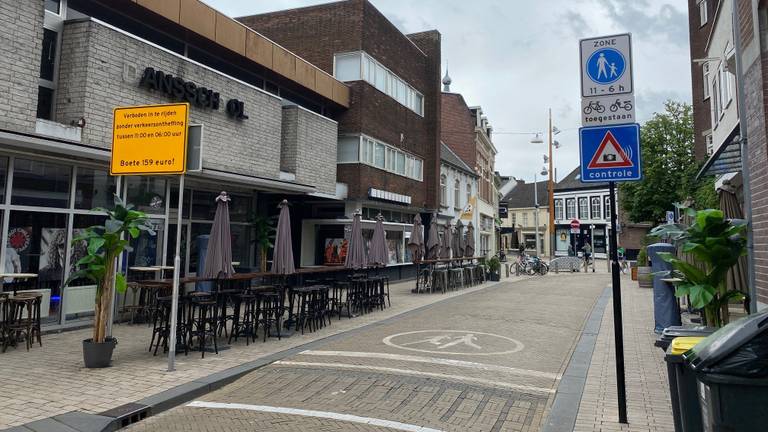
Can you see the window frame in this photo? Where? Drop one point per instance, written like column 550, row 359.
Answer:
column 443, row 190
column 705, row 73
column 559, row 209
column 571, row 203
column 703, row 13
column 595, row 200
column 583, row 214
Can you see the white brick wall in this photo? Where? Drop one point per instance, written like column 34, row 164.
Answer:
column 309, row 148
column 101, row 69
column 21, row 35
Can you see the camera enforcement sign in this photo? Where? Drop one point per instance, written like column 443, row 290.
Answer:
column 150, row 140
column 610, row 153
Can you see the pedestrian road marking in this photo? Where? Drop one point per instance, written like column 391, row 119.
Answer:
column 516, row 387
column 434, row 360
column 312, row 413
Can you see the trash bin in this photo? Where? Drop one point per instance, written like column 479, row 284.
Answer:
column 731, row 369
column 686, row 411
column 670, row 333
column 666, row 310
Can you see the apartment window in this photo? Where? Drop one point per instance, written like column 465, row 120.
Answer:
column 360, row 65
column 705, row 78
column 379, row 155
column 443, row 190
column 570, row 208
column 559, row 209
column 703, row 17
column 348, row 149
column 583, row 208
column 596, row 205
column 715, row 103
column 53, row 6
column 48, row 57
column 514, row 219
column 44, row 103
column 607, row 212
column 457, row 194
column 525, row 219
column 709, row 144
column 469, row 192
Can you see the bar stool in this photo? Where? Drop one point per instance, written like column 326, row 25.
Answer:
column 204, row 321
column 29, row 326
column 340, row 298
column 469, row 278
column 456, row 278
column 440, row 279
column 271, row 311
column 245, row 319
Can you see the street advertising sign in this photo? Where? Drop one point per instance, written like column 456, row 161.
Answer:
column 610, row 153
column 607, row 110
column 150, row 140
column 606, row 65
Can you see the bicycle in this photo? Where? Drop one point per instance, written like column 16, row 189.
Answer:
column 535, row 265
column 596, row 106
column 627, row 105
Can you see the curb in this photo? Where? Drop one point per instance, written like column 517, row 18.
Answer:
column 565, row 408
column 130, row 413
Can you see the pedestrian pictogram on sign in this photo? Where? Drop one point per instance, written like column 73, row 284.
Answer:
column 610, row 154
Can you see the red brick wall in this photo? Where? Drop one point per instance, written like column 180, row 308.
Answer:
column 316, row 33
column 746, row 26
column 702, row 120
column 458, row 128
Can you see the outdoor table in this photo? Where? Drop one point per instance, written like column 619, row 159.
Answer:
column 23, row 277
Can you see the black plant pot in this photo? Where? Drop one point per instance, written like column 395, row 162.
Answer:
column 493, row 276
column 98, row 355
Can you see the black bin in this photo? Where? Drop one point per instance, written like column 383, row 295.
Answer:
column 686, row 412
column 731, row 369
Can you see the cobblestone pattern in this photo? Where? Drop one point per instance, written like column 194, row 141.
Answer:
column 434, row 403
column 648, row 403
column 54, row 381
column 21, row 35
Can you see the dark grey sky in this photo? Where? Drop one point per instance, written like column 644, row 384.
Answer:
column 517, row 58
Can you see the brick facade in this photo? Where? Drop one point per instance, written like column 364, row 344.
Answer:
column 101, row 68
column 21, row 35
column 702, row 112
column 458, row 128
column 316, row 33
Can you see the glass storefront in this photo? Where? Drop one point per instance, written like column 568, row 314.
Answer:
column 51, row 201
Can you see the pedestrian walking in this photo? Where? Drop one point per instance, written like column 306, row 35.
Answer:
column 587, row 248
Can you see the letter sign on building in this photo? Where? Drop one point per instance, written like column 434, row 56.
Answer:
column 150, row 140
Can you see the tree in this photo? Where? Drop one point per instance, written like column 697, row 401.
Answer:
column 669, row 167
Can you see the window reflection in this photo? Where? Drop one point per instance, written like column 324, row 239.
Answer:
column 38, row 183
column 94, row 188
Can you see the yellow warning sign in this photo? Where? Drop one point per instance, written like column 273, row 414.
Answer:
column 150, row 140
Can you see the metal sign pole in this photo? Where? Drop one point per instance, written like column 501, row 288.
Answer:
column 618, row 327
column 176, row 274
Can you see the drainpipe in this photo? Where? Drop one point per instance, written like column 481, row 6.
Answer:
column 747, row 187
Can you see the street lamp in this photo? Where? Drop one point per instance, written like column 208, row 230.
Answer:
column 552, row 130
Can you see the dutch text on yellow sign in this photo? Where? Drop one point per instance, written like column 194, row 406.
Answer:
column 150, row 140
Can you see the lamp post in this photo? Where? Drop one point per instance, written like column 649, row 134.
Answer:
column 551, row 131
column 536, row 215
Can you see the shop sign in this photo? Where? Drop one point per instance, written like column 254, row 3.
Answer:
column 199, row 96
column 149, row 140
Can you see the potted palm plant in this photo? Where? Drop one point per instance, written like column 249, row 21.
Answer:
column 716, row 244
column 105, row 243
column 264, row 235
column 494, row 268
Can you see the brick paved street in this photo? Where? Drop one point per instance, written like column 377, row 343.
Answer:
column 51, row 380
column 648, row 405
column 486, row 361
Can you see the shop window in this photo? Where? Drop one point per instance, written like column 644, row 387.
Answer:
column 38, row 183
column 147, row 194
column 204, row 205
column 94, row 188
column 37, row 242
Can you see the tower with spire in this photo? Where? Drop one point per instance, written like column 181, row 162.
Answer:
column 447, row 82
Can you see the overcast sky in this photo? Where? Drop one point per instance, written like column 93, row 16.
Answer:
column 517, row 58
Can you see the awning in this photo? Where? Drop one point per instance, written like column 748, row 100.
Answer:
column 726, row 159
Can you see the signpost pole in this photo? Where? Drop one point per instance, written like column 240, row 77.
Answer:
column 618, row 328
column 176, row 274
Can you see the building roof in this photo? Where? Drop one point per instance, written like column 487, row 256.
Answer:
column 573, row 182
column 449, row 157
column 522, row 195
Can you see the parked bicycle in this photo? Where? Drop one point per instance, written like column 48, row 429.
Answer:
column 594, row 106
column 627, row 105
column 532, row 265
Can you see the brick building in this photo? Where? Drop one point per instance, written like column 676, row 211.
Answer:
column 467, row 132
column 701, row 15
column 67, row 64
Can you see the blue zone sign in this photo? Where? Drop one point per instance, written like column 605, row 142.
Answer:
column 610, row 153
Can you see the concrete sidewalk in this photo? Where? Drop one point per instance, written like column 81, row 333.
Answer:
column 51, row 380
column 648, row 402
